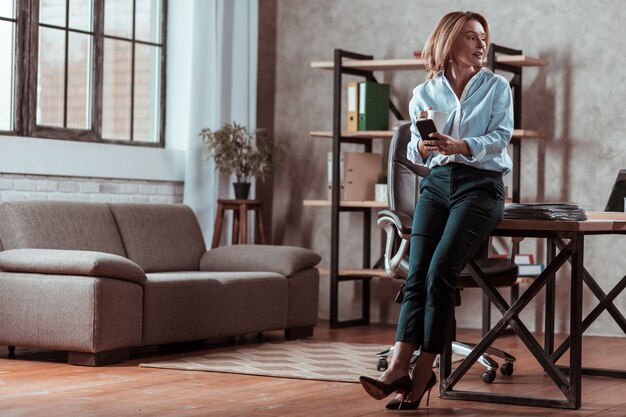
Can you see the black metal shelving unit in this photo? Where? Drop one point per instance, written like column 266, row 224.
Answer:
column 339, row 70
column 335, row 278
column 516, row 145
column 516, row 88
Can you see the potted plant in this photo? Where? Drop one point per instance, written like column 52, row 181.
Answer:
column 235, row 152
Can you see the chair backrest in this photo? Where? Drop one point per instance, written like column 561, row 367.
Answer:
column 618, row 193
column 403, row 185
column 403, row 175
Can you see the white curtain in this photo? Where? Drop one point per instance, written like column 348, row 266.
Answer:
column 223, row 76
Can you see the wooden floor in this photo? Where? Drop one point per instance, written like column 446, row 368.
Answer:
column 38, row 383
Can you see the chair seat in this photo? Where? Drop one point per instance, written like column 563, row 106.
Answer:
column 500, row 272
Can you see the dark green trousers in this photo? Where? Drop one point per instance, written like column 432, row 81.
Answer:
column 457, row 209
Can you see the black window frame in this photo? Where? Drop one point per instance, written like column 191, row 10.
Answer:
column 17, row 98
column 25, row 94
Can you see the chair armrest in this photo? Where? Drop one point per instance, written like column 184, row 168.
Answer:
column 400, row 220
column 285, row 260
column 397, row 225
column 71, row 262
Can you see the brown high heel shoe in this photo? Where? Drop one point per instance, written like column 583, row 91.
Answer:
column 412, row 405
column 379, row 390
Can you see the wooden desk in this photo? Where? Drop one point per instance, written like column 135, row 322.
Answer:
column 568, row 237
column 240, row 220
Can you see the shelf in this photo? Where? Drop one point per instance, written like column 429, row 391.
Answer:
column 529, row 134
column 387, row 134
column 363, row 134
column 380, row 273
column 521, row 61
column 346, row 203
column 418, row 63
column 357, row 273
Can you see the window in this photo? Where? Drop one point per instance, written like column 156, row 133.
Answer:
column 8, row 31
column 93, row 69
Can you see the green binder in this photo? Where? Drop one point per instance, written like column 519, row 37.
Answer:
column 373, row 106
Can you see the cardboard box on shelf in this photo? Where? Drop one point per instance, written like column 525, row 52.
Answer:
column 358, row 174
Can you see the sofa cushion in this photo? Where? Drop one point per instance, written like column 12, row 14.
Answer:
column 83, row 314
column 285, row 260
column 182, row 306
column 71, row 262
column 59, row 225
column 160, row 237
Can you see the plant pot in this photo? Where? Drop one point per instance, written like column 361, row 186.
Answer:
column 242, row 190
column 380, row 192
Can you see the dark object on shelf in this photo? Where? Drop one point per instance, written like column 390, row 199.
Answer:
column 618, row 193
column 373, row 106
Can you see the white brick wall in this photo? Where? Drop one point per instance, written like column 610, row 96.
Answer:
column 17, row 187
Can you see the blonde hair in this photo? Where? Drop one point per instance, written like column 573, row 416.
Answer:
column 438, row 47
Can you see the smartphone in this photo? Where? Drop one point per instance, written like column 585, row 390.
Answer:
column 426, row 127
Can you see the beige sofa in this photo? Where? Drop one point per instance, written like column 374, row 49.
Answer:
column 97, row 279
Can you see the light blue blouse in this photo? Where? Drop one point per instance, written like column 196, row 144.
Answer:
column 483, row 117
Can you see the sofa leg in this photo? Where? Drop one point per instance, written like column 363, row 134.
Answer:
column 298, row 332
column 11, row 351
column 98, row 359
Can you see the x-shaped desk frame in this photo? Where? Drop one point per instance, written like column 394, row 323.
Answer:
column 573, row 251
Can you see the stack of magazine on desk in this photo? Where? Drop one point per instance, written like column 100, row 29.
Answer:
column 545, row 211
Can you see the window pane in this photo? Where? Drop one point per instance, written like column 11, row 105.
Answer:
column 7, row 69
column 80, row 14
column 118, row 18
column 52, row 12
column 79, row 81
column 147, row 93
column 116, row 89
column 148, row 21
column 50, row 77
column 7, row 9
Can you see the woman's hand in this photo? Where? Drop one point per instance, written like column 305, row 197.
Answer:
column 445, row 145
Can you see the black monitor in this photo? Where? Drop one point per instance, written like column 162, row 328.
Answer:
column 618, row 193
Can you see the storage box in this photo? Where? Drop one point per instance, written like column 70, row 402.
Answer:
column 358, row 174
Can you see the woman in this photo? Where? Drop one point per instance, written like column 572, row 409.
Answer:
column 460, row 202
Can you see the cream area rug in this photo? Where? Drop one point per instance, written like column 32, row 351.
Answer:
column 302, row 359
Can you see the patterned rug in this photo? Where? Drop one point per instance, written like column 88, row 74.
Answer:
column 302, row 359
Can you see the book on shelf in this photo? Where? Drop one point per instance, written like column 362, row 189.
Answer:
column 530, row 270
column 353, row 107
column 545, row 211
column 373, row 106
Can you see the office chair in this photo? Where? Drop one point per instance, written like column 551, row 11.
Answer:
column 403, row 192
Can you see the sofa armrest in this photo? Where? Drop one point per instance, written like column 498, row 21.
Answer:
column 71, row 262
column 285, row 260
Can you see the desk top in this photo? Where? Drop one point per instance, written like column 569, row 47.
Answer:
column 597, row 222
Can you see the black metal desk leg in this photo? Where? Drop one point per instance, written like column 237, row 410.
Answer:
column 550, row 301
column 576, row 319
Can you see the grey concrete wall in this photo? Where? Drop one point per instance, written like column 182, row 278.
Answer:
column 577, row 100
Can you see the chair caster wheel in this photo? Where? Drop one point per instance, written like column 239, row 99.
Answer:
column 506, row 369
column 382, row 364
column 488, row 376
